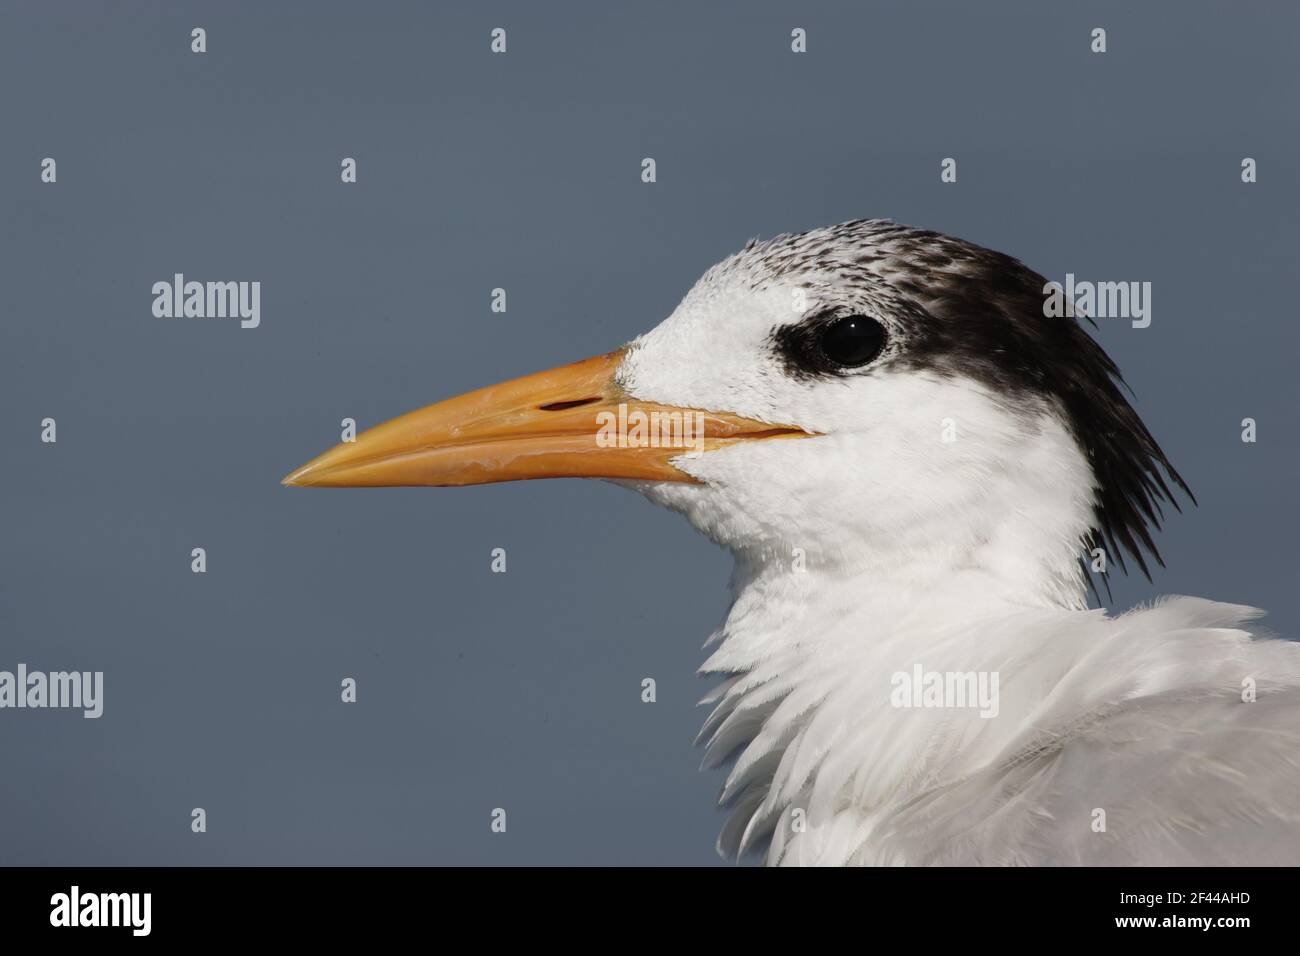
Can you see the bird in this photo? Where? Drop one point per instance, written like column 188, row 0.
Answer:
column 919, row 474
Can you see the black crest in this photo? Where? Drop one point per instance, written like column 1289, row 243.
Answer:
column 978, row 313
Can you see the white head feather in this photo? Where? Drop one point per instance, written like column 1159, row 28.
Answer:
column 937, row 520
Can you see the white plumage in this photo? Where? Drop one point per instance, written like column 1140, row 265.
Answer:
column 961, row 556
column 963, row 450
column 1139, row 716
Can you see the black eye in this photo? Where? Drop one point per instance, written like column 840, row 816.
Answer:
column 852, row 341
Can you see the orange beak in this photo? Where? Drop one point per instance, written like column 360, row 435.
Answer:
column 567, row 422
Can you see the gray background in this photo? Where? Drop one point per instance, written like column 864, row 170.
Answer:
column 480, row 690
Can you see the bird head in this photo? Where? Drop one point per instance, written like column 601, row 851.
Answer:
column 876, row 398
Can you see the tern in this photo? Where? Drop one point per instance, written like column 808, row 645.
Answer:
column 908, row 459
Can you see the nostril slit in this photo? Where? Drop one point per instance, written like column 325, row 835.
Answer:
column 561, row 406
